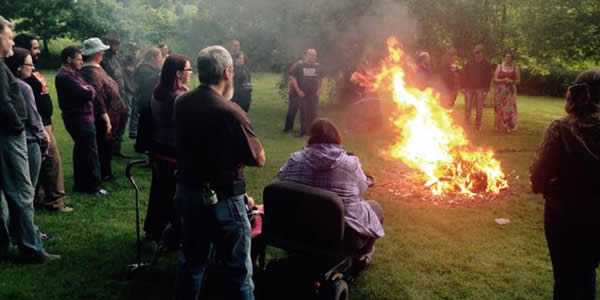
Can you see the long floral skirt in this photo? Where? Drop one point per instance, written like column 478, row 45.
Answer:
column 505, row 107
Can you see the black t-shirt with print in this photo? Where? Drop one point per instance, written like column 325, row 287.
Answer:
column 308, row 77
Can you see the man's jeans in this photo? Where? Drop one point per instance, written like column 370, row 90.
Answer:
column 309, row 107
column 293, row 106
column 474, row 98
column 223, row 227
column 34, row 156
column 86, row 165
column 15, row 184
column 134, row 115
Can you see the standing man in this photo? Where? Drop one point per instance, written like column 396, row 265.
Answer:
column 146, row 78
column 308, row 82
column 164, row 50
column 50, row 190
column 75, row 100
column 476, row 82
column 129, row 62
column 112, row 65
column 214, row 141
column 15, row 182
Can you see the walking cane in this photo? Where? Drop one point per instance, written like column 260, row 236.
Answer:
column 139, row 265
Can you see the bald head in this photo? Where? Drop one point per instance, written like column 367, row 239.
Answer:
column 310, row 56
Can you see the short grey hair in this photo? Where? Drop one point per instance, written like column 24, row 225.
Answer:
column 4, row 23
column 212, row 63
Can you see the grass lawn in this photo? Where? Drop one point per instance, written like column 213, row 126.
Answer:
column 428, row 252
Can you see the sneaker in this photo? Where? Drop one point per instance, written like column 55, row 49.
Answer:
column 46, row 237
column 64, row 209
column 101, row 192
column 41, row 258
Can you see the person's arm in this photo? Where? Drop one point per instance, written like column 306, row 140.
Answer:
column 495, row 78
column 322, row 86
column 296, row 87
column 34, row 121
column 78, row 87
column 9, row 118
column 255, row 153
column 544, row 166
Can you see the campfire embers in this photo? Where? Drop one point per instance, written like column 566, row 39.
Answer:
column 430, row 141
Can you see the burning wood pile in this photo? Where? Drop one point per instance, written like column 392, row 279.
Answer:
column 428, row 139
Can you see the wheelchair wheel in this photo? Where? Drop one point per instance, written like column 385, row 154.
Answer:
column 336, row 290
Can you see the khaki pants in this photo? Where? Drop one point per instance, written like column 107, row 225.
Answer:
column 50, row 189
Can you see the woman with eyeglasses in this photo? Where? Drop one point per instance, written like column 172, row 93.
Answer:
column 21, row 64
column 506, row 77
column 175, row 74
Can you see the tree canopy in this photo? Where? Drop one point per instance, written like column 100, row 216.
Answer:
column 544, row 34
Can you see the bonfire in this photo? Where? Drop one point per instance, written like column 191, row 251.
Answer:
column 429, row 140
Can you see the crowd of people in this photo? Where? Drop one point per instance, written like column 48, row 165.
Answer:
column 199, row 141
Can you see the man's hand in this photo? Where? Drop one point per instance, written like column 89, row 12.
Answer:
column 301, row 93
column 250, row 202
column 319, row 92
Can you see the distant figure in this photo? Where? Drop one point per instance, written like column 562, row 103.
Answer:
column 308, row 81
column 214, row 142
column 507, row 76
column 50, row 190
column 175, row 74
column 146, row 77
column 235, row 48
column 111, row 63
column 324, row 163
column 164, row 50
column 76, row 101
column 293, row 101
column 424, row 72
column 565, row 171
column 477, row 77
column 15, row 181
column 109, row 108
column 449, row 79
column 242, row 81
column 129, row 62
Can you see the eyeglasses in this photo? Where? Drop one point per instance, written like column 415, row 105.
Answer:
column 29, row 65
column 188, row 69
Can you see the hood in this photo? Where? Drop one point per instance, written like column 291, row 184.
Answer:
column 321, row 156
column 585, row 137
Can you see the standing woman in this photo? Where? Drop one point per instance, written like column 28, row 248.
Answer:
column 175, row 74
column 21, row 65
column 109, row 107
column 506, row 77
column 242, row 82
column 565, row 171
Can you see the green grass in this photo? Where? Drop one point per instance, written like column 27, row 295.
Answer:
column 428, row 252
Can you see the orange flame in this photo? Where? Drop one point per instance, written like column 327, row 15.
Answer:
column 429, row 140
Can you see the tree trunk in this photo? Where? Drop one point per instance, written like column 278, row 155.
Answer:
column 46, row 50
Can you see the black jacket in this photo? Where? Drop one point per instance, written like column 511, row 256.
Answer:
column 13, row 110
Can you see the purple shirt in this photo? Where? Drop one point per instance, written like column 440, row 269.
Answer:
column 34, row 129
column 74, row 96
column 329, row 167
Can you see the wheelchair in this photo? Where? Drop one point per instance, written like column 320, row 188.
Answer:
column 308, row 224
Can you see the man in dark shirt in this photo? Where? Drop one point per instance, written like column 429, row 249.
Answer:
column 111, row 63
column 15, row 182
column 50, row 190
column 292, row 100
column 214, row 141
column 476, row 82
column 75, row 100
column 308, row 82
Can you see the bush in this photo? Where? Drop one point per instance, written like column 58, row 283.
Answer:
column 554, row 84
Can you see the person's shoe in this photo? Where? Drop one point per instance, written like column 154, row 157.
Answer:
column 41, row 258
column 101, row 192
column 46, row 237
column 300, row 135
column 64, row 209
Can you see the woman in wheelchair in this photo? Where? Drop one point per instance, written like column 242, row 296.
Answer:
column 324, row 163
